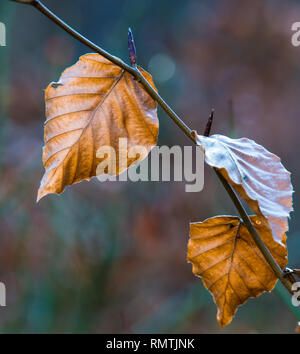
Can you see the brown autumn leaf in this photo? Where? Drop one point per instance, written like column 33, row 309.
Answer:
column 256, row 174
column 94, row 104
column 230, row 264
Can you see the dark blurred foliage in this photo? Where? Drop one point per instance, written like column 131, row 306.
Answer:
column 111, row 257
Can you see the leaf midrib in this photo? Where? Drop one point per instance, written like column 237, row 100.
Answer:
column 87, row 125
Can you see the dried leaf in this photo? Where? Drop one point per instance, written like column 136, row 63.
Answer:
column 256, row 174
column 92, row 105
column 230, row 264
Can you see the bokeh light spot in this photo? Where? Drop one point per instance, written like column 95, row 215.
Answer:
column 161, row 67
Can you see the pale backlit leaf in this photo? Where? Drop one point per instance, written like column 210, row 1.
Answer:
column 256, row 174
column 94, row 104
column 230, row 264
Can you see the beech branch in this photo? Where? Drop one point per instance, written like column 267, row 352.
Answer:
column 134, row 70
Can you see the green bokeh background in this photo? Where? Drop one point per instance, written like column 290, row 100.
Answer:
column 111, row 257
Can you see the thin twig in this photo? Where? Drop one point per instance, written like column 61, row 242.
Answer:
column 189, row 132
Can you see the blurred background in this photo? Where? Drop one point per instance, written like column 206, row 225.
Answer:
column 111, row 257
